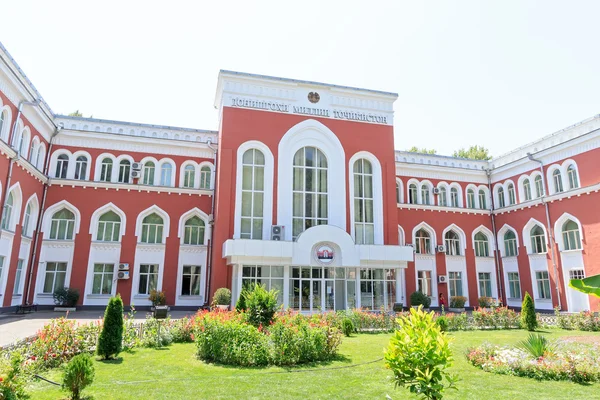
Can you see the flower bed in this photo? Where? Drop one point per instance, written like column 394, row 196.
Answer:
column 583, row 321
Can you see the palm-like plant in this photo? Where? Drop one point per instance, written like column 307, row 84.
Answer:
column 537, row 345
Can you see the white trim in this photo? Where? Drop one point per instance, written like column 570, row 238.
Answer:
column 98, row 167
column 212, row 173
column 460, row 194
column 101, row 211
column 417, row 184
column 550, row 179
column 158, row 172
column 401, row 236
column 461, row 234
column 429, row 187
column 15, row 214
column 54, row 159
column 50, row 211
column 558, row 232
column 500, row 239
column 488, row 233
column 187, row 215
column 527, row 235
column 148, row 211
column 35, row 209
column 399, row 191
column 565, row 165
column 433, row 239
column 182, row 168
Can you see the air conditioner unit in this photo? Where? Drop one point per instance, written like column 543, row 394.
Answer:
column 277, row 232
column 136, row 174
column 123, row 267
column 441, row 249
column 136, row 166
column 442, row 279
column 436, row 190
column 123, row 275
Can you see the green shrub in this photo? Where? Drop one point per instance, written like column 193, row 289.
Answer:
column 457, row 301
column 110, row 341
column 222, row 297
column 156, row 332
column 66, row 297
column 78, row 374
column 261, row 305
column 458, row 322
column 419, row 356
column 240, row 305
column 347, row 326
column 420, row 299
column 12, row 385
column 528, row 317
column 537, row 345
column 398, row 307
column 442, row 322
column 158, row 298
column 485, row 302
column 182, row 330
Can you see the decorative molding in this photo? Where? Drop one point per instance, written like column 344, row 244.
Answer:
column 58, row 244
column 454, row 210
column 440, row 173
column 106, row 246
column 155, row 248
column 192, row 249
column 129, row 187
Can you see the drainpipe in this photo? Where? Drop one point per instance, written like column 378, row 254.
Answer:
column 499, row 275
column 38, row 224
column 212, row 223
column 549, row 227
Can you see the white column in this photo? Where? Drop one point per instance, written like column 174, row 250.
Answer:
column 286, row 287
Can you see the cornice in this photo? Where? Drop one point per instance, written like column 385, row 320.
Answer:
column 453, row 210
column 31, row 170
column 106, row 246
column 444, row 173
column 129, row 187
column 154, row 248
column 59, row 244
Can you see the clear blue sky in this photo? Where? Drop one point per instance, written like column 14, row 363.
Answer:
column 495, row 73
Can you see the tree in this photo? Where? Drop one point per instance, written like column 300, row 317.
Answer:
column 110, row 340
column 422, row 150
column 78, row 374
column 473, row 153
column 528, row 318
column 76, row 113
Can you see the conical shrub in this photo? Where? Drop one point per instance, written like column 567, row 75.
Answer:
column 528, row 318
column 110, row 341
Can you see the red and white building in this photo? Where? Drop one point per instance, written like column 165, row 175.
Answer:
column 299, row 189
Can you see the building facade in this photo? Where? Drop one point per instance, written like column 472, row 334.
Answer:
column 299, row 189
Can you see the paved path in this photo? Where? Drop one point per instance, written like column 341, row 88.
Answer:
column 14, row 327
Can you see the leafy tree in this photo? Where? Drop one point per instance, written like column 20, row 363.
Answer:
column 528, row 318
column 110, row 340
column 75, row 113
column 78, row 374
column 422, row 150
column 473, row 153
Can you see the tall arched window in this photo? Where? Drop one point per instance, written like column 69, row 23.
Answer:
column 149, row 168
column 501, row 201
column 109, row 227
column 2, row 120
column 482, row 199
column 538, row 240
column 7, row 213
column 454, row 197
column 443, row 197
column 425, row 199
column 512, row 198
column 452, row 243
column 510, row 244
column 573, row 180
column 527, row 189
column 412, row 193
column 571, row 236
column 482, row 245
column 39, row 156
column 166, row 171
column 470, row 198
column 189, row 176
column 32, row 151
column 124, row 171
column 557, row 179
column 422, row 242
column 106, row 170
column 194, row 231
column 152, row 229
column 18, row 140
column 253, row 194
column 81, row 167
column 62, row 165
column 309, row 190
column 364, row 226
column 539, row 186
column 205, row 177
column 397, row 192
column 26, row 220
column 62, row 225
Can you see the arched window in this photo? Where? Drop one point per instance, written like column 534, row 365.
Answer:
column 148, row 173
column 32, row 151
column 309, row 190
column 501, row 202
column 18, row 140
column 482, row 245
column 106, row 170
column 3, row 118
column 539, row 186
column 81, row 167
column 194, row 231
column 189, row 176
column 397, row 192
column 452, row 243
column 62, row 225
column 152, row 229
column 364, row 226
column 512, row 198
column 573, row 180
column 454, row 197
column 538, row 240
column 124, row 171
column 557, row 179
column 425, row 194
column 7, row 213
column 482, row 199
column 443, row 197
column 510, row 244
column 571, row 236
column 470, row 198
column 422, row 242
column 527, row 189
column 38, row 160
column 412, row 193
column 166, row 171
column 26, row 220
column 253, row 194
column 205, row 177
column 109, row 227
column 62, row 165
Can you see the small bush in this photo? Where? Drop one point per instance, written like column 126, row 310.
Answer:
column 398, row 307
column 420, row 299
column 158, row 298
column 442, row 322
column 156, row 333
column 110, row 341
column 78, row 374
column 347, row 326
column 457, row 301
column 261, row 306
column 12, row 384
column 528, row 317
column 182, row 330
column 57, row 342
column 240, row 305
column 485, row 302
column 222, row 297
column 458, row 322
column 537, row 345
column 66, row 297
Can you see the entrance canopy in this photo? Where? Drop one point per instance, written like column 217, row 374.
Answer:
column 323, row 245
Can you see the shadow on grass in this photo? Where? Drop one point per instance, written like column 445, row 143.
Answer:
column 285, row 368
column 116, row 361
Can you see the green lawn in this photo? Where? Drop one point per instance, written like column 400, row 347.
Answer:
column 175, row 373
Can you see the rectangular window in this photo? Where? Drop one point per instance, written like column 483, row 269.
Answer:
column 424, row 282
column 514, row 285
column 510, row 247
column 103, row 278
column 18, row 276
column 377, row 288
column 455, row 284
column 190, row 281
column 270, row 277
column 56, row 272
column 62, row 229
column 485, row 284
column 470, row 199
column 577, row 274
column 108, row 231
column 482, row 248
column 152, row 233
column 572, row 240
column 543, row 285
column 148, row 278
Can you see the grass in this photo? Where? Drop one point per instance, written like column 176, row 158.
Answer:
column 175, row 373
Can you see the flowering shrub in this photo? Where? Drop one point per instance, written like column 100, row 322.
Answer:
column 583, row 321
column 575, row 364
column 12, row 383
column 182, row 330
column 458, row 322
column 156, row 333
column 498, row 318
